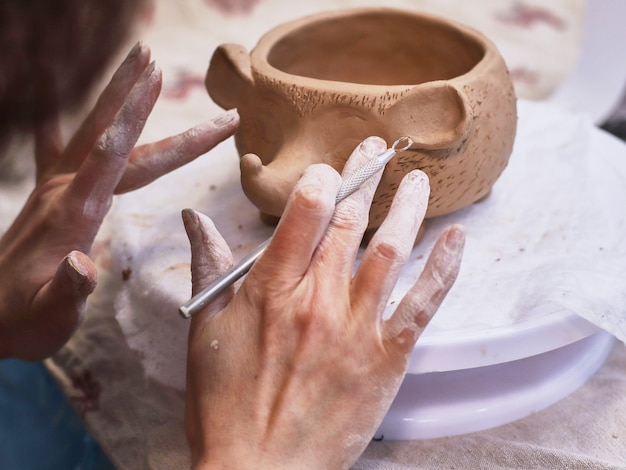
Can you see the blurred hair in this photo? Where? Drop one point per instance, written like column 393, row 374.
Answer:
column 52, row 51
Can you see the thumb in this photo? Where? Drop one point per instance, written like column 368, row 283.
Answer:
column 76, row 275
column 59, row 306
column 210, row 256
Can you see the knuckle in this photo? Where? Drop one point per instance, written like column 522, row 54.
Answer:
column 434, row 290
column 389, row 250
column 110, row 147
column 350, row 216
column 310, row 198
column 313, row 324
column 437, row 280
column 444, row 274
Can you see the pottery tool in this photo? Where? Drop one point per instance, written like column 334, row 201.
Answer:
column 349, row 185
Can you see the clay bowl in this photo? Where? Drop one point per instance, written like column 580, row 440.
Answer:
column 313, row 88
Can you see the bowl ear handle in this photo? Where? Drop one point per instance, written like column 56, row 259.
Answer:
column 229, row 76
column 436, row 116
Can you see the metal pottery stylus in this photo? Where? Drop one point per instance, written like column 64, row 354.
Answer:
column 348, row 186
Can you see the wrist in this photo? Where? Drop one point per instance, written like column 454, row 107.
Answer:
column 238, row 463
column 244, row 461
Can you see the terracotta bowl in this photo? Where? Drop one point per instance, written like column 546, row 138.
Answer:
column 313, row 88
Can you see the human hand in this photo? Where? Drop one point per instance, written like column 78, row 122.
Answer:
column 298, row 368
column 45, row 272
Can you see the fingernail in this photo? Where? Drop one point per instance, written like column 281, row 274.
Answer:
column 151, row 68
column 135, row 50
column 80, row 275
column 455, row 238
column 418, row 177
column 189, row 217
column 138, row 49
column 226, row 118
column 194, row 227
column 373, row 146
column 150, row 74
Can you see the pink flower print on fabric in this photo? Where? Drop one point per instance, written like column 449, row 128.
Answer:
column 527, row 16
column 232, row 7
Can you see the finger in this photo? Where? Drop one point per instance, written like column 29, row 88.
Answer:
column 63, row 301
column 151, row 161
column 210, row 257
column 391, row 246
column 345, row 232
column 108, row 105
column 423, row 299
column 303, row 223
column 99, row 174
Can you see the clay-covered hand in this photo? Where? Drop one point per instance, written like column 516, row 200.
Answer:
column 45, row 273
column 298, row 367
